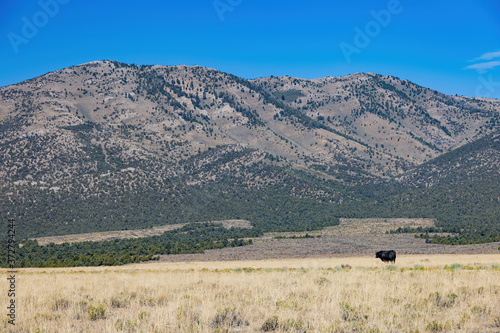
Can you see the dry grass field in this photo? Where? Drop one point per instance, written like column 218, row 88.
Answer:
column 330, row 283
column 421, row 293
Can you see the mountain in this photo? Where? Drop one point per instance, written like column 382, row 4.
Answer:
column 477, row 162
column 107, row 146
column 460, row 189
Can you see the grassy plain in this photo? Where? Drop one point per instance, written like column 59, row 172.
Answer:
column 424, row 293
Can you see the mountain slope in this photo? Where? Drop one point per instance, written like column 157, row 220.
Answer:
column 173, row 113
column 106, row 145
column 398, row 117
column 460, row 189
column 473, row 162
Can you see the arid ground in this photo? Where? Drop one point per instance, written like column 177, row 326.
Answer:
column 421, row 293
column 328, row 284
column 352, row 238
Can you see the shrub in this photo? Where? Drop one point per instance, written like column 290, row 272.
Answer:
column 434, row 326
column 61, row 304
column 96, row 312
column 443, row 302
column 323, row 281
column 117, row 302
column 82, row 305
column 147, row 301
column 350, row 313
column 228, row 317
column 293, row 325
column 270, row 324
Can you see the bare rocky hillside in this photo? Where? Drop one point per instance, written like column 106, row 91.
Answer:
column 362, row 125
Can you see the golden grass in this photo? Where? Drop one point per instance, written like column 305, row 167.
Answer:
column 422, row 293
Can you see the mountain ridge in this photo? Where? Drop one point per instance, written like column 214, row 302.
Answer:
column 88, row 140
column 341, row 134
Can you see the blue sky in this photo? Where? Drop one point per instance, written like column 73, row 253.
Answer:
column 451, row 46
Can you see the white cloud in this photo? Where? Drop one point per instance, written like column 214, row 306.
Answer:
column 489, row 56
column 484, row 66
column 485, row 62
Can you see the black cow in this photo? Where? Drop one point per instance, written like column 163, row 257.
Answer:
column 386, row 256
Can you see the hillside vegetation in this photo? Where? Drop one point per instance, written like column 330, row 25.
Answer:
column 109, row 146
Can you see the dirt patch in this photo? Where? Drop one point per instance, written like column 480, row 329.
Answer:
column 137, row 233
column 352, row 238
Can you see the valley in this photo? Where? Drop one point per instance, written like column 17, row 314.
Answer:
column 107, row 147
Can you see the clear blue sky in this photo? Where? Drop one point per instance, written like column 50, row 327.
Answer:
column 451, row 46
